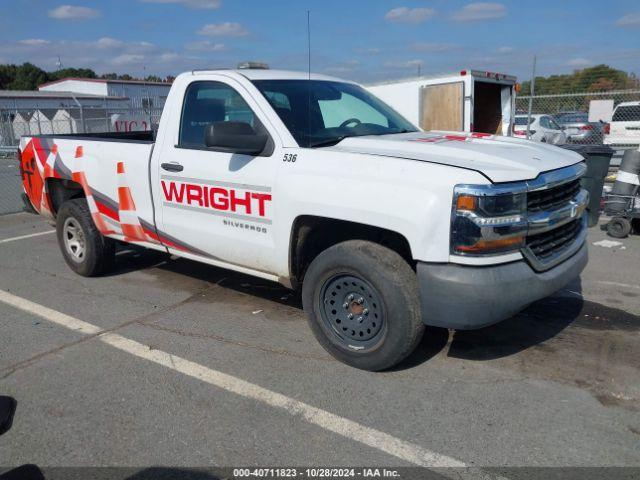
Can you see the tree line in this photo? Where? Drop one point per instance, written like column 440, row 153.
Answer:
column 600, row 78
column 28, row 76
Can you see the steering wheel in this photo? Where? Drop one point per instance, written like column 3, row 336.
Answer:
column 355, row 121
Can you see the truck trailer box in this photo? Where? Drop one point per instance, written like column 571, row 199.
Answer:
column 469, row 101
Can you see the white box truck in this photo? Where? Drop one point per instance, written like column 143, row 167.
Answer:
column 469, row 101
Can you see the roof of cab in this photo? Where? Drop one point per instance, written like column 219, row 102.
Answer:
column 263, row 74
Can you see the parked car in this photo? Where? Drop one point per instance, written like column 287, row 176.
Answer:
column 543, row 128
column 579, row 129
column 318, row 185
column 624, row 129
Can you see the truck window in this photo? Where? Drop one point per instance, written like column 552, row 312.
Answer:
column 209, row 102
column 335, row 112
column 319, row 112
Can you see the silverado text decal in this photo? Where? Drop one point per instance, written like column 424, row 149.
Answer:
column 235, row 200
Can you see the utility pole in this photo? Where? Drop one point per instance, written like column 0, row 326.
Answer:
column 531, row 94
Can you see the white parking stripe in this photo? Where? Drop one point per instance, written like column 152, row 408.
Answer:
column 54, row 316
column 15, row 239
column 334, row 423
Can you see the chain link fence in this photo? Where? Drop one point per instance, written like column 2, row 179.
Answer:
column 591, row 118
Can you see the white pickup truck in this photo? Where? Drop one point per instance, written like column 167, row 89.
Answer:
column 315, row 183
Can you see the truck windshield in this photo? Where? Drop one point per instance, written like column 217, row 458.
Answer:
column 321, row 113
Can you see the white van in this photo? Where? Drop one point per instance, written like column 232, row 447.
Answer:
column 469, row 101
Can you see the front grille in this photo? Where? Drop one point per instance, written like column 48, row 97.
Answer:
column 552, row 198
column 548, row 244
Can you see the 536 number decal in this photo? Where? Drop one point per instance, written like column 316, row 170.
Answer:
column 290, row 157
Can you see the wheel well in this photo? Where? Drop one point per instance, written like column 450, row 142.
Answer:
column 61, row 190
column 312, row 235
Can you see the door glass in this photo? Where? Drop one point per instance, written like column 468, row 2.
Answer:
column 209, row 102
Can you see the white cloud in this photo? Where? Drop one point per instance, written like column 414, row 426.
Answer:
column 205, row 46
column 579, row 62
column 343, row 67
column 432, row 47
column 127, row 59
column 630, row 20
column 107, row 42
column 413, row 64
column 34, row 42
column 409, row 15
column 72, row 12
column 226, row 29
column 505, row 50
column 195, row 4
column 475, row 12
column 368, row 51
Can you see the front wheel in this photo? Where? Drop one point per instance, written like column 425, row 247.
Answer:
column 363, row 304
column 83, row 247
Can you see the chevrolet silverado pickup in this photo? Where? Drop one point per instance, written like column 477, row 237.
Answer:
column 312, row 182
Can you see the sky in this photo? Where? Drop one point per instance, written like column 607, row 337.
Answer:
column 362, row 40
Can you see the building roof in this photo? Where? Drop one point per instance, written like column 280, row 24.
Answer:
column 104, row 80
column 45, row 94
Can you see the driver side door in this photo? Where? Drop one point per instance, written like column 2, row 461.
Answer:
column 217, row 206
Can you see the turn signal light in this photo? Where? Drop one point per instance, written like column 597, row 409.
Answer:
column 466, row 202
column 485, row 246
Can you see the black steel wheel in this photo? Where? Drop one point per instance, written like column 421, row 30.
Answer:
column 363, row 304
column 353, row 309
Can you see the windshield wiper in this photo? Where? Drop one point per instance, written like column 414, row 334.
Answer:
column 327, row 142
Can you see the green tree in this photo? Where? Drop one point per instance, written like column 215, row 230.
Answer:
column 72, row 72
column 7, row 76
column 27, row 77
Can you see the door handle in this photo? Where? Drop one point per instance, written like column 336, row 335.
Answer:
column 172, row 167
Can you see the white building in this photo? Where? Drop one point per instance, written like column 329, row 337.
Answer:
column 40, row 121
column 19, row 125
column 89, row 120
column 148, row 95
column 32, row 100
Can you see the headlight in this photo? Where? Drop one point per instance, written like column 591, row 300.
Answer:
column 486, row 222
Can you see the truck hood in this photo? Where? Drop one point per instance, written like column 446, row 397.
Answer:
column 500, row 159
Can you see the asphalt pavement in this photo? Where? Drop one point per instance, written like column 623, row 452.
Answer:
column 170, row 362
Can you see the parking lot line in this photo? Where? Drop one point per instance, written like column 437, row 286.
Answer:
column 22, row 237
column 344, row 427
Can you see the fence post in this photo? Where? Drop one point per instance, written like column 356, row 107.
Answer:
column 38, row 118
column 531, row 94
column 84, row 128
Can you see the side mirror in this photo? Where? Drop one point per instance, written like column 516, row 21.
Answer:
column 234, row 137
column 7, row 410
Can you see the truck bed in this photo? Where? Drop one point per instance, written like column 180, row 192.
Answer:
column 138, row 137
column 112, row 169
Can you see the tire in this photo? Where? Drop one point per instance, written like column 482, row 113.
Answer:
column 379, row 289
column 93, row 253
column 619, row 227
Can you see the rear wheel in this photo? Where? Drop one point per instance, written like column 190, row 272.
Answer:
column 363, row 304
column 83, row 247
column 619, row 227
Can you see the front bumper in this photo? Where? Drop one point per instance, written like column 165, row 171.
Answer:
column 468, row 297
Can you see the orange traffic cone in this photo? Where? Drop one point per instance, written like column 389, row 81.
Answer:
column 78, row 176
column 129, row 222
